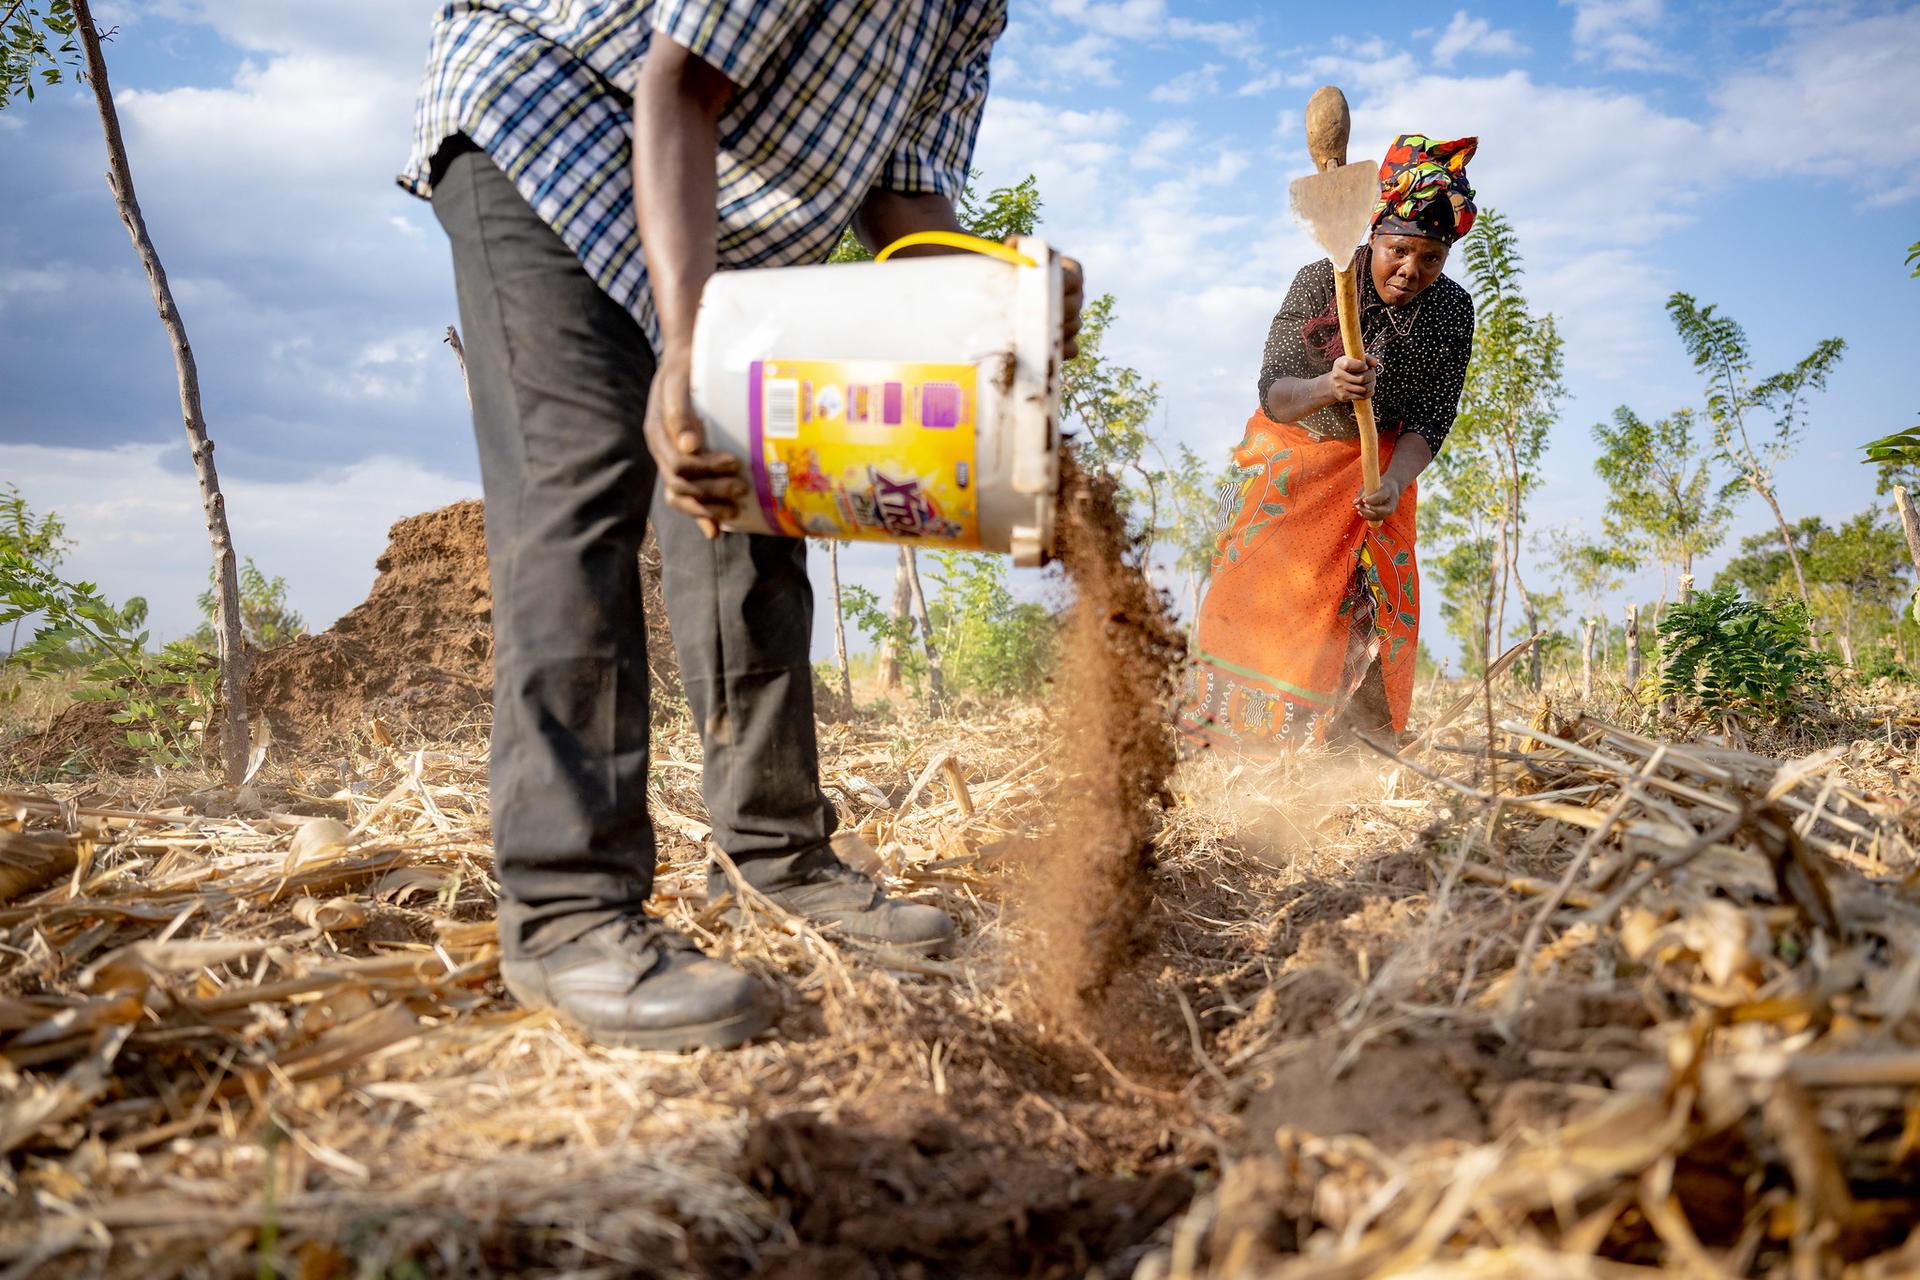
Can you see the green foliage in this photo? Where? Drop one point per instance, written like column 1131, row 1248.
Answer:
column 1006, row 211
column 1718, row 347
column 1913, row 259
column 1897, row 458
column 265, row 619
column 1474, row 500
column 1660, row 492
column 882, row 627
column 160, row 698
column 42, row 539
column 991, row 645
column 1464, row 566
column 1590, row 569
column 37, row 43
column 1761, row 570
column 1190, row 516
column 1879, row 663
column 1857, row 573
column 1110, row 403
column 1732, row 656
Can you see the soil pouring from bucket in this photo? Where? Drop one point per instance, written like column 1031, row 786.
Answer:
column 1087, row 900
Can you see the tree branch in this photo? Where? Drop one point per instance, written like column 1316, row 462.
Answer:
column 234, row 742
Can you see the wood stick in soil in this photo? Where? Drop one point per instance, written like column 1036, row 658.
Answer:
column 886, row 669
column 839, row 624
column 1909, row 521
column 1633, row 646
column 936, row 686
column 234, row 661
column 1587, row 628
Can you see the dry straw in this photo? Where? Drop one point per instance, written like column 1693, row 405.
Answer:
column 1651, row 1007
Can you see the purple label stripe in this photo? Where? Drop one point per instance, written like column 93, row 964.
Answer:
column 756, row 449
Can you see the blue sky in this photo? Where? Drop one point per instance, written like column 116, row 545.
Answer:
column 1763, row 155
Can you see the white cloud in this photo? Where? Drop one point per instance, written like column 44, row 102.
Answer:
column 1619, row 33
column 24, row 281
column 1465, row 34
column 1264, row 83
column 1085, row 59
column 1201, row 82
column 1149, row 21
column 1163, row 143
column 1841, row 100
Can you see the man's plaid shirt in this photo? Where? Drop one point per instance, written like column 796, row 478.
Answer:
column 835, row 98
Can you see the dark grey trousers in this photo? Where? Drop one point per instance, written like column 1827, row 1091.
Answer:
column 559, row 374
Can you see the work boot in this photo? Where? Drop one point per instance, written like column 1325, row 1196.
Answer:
column 635, row 983
column 835, row 894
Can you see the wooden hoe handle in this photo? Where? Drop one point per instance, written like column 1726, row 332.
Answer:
column 1328, row 125
column 1346, row 290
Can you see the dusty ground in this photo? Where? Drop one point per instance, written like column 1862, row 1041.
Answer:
column 1652, row 1008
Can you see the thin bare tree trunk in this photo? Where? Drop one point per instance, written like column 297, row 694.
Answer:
column 887, row 661
column 1633, row 646
column 839, row 624
column 936, row 686
column 226, row 618
column 1533, row 622
column 1498, row 621
column 1587, row 627
column 1786, row 538
column 1909, row 522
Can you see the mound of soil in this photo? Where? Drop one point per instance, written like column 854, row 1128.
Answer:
column 417, row 653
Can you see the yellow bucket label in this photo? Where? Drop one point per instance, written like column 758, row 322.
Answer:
column 866, row 449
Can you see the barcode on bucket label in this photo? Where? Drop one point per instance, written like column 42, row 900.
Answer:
column 783, row 408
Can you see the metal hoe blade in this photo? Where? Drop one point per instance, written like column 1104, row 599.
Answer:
column 1336, row 206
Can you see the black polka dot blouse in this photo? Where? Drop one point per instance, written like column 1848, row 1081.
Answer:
column 1423, row 349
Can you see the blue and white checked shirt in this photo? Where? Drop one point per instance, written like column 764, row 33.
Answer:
column 836, row 98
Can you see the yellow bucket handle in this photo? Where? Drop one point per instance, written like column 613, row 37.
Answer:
column 958, row 240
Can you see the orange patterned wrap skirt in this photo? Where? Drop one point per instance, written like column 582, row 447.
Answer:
column 1303, row 599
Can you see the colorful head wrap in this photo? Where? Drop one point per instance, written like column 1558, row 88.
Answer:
column 1424, row 189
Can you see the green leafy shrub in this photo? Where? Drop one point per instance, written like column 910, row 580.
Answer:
column 863, row 609
column 991, row 645
column 265, row 619
column 162, row 699
column 1878, row 663
column 1734, row 657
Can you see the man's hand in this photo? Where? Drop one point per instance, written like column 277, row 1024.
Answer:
column 1352, row 379
column 677, row 100
column 1382, row 502
column 695, row 480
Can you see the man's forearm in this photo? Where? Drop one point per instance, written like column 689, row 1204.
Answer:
column 885, row 216
column 676, row 106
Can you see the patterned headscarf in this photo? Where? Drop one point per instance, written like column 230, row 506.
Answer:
column 1424, row 189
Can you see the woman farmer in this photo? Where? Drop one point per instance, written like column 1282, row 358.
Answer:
column 1310, row 624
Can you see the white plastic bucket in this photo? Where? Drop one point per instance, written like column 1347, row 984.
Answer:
column 908, row 401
